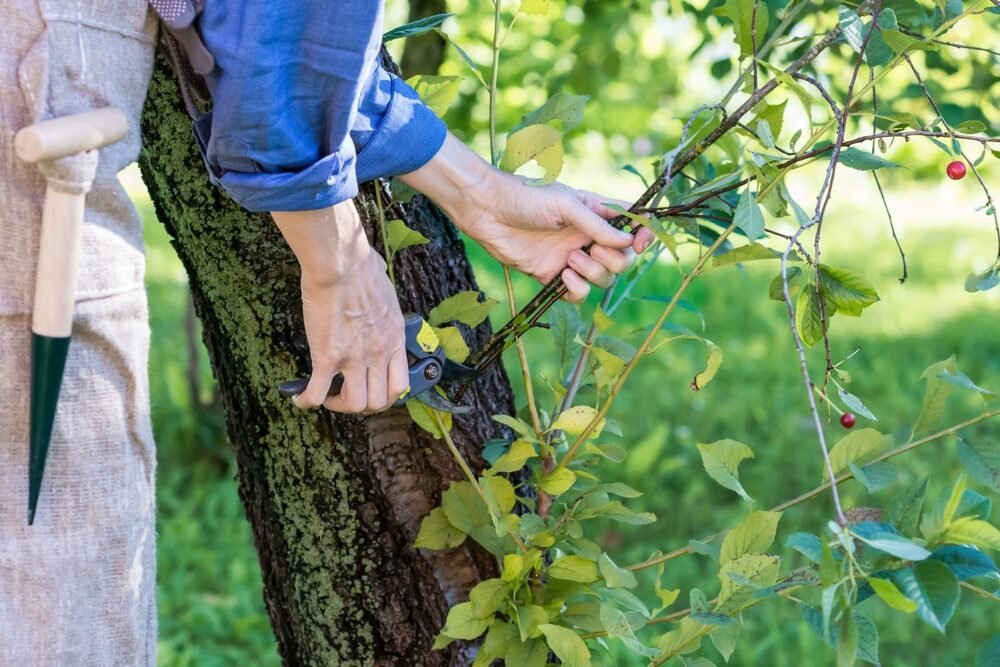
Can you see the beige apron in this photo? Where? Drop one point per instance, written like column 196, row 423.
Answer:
column 78, row 587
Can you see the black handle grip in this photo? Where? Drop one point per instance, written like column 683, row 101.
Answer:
column 296, row 387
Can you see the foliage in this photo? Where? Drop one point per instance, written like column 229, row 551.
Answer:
column 725, row 177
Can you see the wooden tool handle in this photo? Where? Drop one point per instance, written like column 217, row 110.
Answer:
column 69, row 135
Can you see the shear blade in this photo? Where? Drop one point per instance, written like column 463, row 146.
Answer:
column 455, row 373
column 432, row 399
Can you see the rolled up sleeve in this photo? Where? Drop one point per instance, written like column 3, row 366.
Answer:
column 286, row 89
column 394, row 131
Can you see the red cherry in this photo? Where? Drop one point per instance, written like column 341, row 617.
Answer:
column 956, row 170
column 848, row 420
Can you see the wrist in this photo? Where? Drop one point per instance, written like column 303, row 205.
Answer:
column 459, row 181
column 328, row 243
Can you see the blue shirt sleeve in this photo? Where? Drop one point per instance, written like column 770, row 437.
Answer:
column 302, row 111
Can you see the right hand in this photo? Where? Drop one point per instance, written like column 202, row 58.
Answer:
column 353, row 322
column 354, row 327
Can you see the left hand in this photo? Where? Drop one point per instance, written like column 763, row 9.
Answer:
column 540, row 231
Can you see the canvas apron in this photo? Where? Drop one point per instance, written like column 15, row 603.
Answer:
column 77, row 587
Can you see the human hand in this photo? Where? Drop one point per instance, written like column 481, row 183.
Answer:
column 537, row 230
column 541, row 231
column 352, row 317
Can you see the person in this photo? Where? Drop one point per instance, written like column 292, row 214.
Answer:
column 302, row 112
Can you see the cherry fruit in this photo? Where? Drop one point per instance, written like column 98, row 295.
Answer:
column 848, row 420
column 956, row 170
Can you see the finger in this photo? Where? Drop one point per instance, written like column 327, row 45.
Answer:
column 353, row 398
column 591, row 269
column 584, row 219
column 600, row 204
column 612, row 259
column 378, row 393
column 577, row 288
column 399, row 375
column 643, row 239
column 316, row 391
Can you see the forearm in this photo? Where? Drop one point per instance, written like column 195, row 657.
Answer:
column 457, row 180
column 328, row 242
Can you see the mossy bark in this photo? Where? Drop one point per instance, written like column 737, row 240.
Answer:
column 335, row 502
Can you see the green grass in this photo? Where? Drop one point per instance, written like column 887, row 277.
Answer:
column 211, row 609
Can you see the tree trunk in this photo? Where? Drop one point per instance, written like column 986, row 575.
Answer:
column 335, row 502
column 424, row 53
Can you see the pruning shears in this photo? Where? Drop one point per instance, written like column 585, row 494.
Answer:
column 428, row 368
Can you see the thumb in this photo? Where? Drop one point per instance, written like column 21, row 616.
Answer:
column 585, row 220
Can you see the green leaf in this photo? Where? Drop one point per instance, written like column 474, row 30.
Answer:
column 989, row 655
column 962, row 381
column 748, row 215
column 489, row 596
column 875, row 476
column 722, row 460
column 529, row 620
column 858, row 447
column 900, row 42
column 563, row 108
column 614, row 576
column 741, row 13
column 437, row 92
column 988, row 279
column 573, row 568
column 808, row 318
column 969, row 530
column 936, row 395
column 971, row 127
column 724, row 639
column 515, row 458
column 519, row 426
column 567, row 645
column 748, row 253
column 500, row 493
column 463, row 307
column 437, row 533
column 867, row 633
column 854, row 403
column 752, row 535
column 399, row 236
column 796, row 280
column 982, row 461
column 558, row 482
column 417, row 27
column 532, row 653
column 423, row 415
column 891, row 595
column 889, row 542
column 535, row 7
column 965, row 562
column 455, row 347
column 616, row 624
column 541, row 143
column 574, row 420
column 847, row 641
column 499, row 637
column 903, row 510
column 760, row 570
column 855, row 158
column 852, row 28
column 463, row 623
column 711, row 366
column 807, row 544
column 933, row 587
column 850, row 292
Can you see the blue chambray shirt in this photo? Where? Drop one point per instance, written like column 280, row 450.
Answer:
column 302, row 110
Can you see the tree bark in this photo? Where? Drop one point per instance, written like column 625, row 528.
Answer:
column 424, row 53
column 335, row 502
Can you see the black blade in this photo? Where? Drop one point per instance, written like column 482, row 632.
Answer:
column 432, row 399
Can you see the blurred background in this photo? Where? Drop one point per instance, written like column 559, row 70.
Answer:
column 647, row 65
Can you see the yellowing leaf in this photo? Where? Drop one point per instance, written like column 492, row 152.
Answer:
column 609, row 367
column 557, row 482
column 722, row 462
column 423, row 415
column 573, row 568
column 891, row 595
column 426, row 338
column 969, row 530
column 711, row 366
column 937, row 394
column 575, row 420
column 455, row 347
column 437, row 92
column 752, row 535
column 488, row 596
column 615, row 576
column 535, row 7
column 602, row 321
column 436, row 532
column 513, row 567
column 858, row 447
column 463, row 623
column 500, row 492
column 567, row 645
column 520, row 451
column 760, row 569
column 464, row 307
column 399, row 236
column 541, row 143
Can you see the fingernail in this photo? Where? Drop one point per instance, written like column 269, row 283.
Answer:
column 645, row 245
